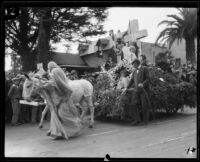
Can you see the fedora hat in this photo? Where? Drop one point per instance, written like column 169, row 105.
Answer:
column 143, row 56
column 18, row 77
column 135, row 60
column 73, row 71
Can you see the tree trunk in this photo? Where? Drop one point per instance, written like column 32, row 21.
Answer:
column 43, row 40
column 27, row 59
column 190, row 49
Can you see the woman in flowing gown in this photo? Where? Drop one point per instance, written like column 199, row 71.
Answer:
column 65, row 121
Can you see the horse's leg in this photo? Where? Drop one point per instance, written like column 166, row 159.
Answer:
column 91, row 107
column 43, row 115
column 83, row 106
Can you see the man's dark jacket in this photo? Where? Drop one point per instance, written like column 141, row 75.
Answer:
column 141, row 77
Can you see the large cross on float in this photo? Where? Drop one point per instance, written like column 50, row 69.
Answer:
column 131, row 35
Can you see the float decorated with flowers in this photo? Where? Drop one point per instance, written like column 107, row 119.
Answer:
column 168, row 93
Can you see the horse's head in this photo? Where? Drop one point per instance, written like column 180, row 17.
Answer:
column 30, row 87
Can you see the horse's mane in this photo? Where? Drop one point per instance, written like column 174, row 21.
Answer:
column 32, row 74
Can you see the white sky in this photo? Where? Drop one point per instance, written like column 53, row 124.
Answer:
column 118, row 19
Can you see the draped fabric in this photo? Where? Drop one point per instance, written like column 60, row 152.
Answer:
column 65, row 121
column 61, row 82
column 128, row 55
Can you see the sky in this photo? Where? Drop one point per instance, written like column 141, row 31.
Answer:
column 118, row 19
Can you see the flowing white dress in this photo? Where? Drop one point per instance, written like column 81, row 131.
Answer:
column 128, row 55
column 65, row 121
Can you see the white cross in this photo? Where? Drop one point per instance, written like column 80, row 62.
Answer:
column 133, row 33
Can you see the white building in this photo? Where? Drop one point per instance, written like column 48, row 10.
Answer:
column 179, row 52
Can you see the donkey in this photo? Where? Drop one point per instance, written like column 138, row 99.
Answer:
column 82, row 95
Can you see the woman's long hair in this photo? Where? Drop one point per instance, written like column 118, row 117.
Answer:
column 61, row 82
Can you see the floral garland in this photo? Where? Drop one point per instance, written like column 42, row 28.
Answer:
column 168, row 92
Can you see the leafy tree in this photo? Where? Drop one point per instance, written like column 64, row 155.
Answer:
column 29, row 35
column 21, row 34
column 183, row 26
column 161, row 57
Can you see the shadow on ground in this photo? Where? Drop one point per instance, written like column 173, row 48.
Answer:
column 160, row 117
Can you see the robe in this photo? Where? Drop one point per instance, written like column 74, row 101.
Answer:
column 65, row 121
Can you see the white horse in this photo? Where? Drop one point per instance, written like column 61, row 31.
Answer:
column 82, row 95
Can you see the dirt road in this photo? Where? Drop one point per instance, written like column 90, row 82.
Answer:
column 169, row 138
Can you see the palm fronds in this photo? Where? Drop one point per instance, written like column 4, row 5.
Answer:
column 181, row 26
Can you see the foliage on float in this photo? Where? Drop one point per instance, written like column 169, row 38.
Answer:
column 109, row 105
column 168, row 93
column 172, row 94
column 122, row 66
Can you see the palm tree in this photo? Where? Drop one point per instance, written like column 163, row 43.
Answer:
column 183, row 26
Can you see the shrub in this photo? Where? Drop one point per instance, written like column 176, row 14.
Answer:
column 169, row 95
column 172, row 97
column 103, row 82
column 164, row 66
column 109, row 105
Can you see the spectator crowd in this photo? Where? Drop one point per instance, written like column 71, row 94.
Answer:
column 16, row 113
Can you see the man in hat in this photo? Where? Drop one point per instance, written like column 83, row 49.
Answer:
column 140, row 84
column 74, row 75
column 143, row 60
column 8, row 107
column 24, row 110
column 15, row 93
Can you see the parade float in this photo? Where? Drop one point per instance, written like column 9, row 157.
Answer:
column 168, row 93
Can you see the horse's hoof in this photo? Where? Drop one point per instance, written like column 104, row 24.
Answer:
column 90, row 126
column 40, row 126
column 48, row 133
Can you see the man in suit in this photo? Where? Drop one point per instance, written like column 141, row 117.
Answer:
column 15, row 93
column 139, row 84
column 8, row 110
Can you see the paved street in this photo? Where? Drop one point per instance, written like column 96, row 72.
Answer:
column 169, row 138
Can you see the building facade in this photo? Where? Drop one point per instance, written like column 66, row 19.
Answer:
column 94, row 55
column 179, row 52
column 150, row 50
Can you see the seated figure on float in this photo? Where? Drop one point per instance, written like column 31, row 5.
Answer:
column 124, row 80
column 129, row 53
